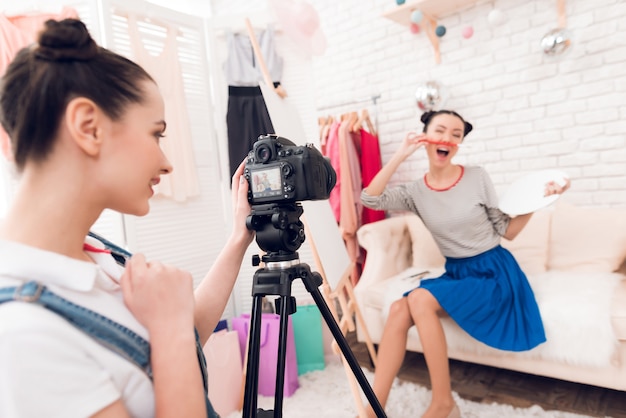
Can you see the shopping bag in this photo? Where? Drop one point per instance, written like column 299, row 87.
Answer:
column 268, row 353
column 307, row 332
column 225, row 371
column 240, row 324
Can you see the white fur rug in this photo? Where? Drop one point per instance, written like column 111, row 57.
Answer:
column 326, row 393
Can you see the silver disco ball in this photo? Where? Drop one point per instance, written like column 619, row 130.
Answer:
column 429, row 96
column 555, row 42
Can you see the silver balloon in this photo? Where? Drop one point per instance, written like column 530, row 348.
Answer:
column 555, row 42
column 429, row 96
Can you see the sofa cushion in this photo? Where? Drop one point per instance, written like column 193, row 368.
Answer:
column 530, row 247
column 426, row 253
column 587, row 239
column 618, row 310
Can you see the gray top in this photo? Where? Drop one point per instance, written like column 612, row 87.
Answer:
column 242, row 68
column 464, row 220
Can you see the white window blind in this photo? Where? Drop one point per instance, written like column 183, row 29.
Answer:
column 187, row 234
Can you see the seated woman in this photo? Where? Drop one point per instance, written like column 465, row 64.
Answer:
column 483, row 289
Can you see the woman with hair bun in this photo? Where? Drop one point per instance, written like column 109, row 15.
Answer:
column 85, row 125
column 483, row 288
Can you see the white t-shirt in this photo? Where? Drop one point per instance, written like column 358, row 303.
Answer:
column 49, row 368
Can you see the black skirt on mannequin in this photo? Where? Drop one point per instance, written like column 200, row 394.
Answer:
column 247, row 119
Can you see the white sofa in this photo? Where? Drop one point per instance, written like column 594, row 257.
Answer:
column 575, row 260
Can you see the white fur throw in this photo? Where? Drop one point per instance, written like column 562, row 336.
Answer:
column 576, row 313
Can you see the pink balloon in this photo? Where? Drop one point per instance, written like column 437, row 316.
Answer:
column 414, row 27
column 467, row 32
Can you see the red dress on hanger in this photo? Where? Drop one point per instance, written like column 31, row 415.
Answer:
column 371, row 164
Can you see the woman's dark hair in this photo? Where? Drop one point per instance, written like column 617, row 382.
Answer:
column 42, row 79
column 427, row 117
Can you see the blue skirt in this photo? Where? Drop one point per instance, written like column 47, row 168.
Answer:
column 488, row 295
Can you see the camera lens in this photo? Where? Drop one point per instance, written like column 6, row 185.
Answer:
column 263, row 153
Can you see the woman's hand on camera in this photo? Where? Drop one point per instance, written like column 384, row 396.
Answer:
column 158, row 295
column 241, row 206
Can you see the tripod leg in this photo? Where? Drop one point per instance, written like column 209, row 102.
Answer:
column 282, row 355
column 252, row 368
column 347, row 352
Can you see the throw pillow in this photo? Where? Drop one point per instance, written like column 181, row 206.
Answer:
column 587, row 239
column 426, row 254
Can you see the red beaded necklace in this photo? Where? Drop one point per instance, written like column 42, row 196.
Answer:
column 445, row 188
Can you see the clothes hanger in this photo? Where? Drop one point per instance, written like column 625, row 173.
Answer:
column 321, row 124
column 368, row 121
column 358, row 124
column 328, row 123
column 353, row 118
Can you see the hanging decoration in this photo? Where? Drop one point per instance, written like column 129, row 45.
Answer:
column 430, row 96
column 555, row 42
column 467, row 32
column 496, row 17
column 558, row 40
column 440, row 31
column 417, row 16
column 414, row 28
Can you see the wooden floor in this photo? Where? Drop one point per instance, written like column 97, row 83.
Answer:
column 486, row 384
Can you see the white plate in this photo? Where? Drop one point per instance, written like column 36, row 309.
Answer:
column 526, row 194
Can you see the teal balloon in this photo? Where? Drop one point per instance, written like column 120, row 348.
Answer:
column 440, row 31
column 399, row 2
column 417, row 16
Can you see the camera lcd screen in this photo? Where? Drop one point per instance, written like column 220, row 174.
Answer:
column 266, row 182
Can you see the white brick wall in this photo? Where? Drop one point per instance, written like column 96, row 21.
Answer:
column 529, row 111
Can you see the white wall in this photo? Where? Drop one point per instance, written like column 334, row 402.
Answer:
column 530, row 111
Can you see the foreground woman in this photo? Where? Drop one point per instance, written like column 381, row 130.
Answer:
column 85, row 126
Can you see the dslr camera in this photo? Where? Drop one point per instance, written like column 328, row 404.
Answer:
column 281, row 172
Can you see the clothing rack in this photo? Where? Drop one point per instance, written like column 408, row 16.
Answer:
column 364, row 114
column 373, row 99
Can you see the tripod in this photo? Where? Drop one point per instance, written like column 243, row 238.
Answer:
column 276, row 279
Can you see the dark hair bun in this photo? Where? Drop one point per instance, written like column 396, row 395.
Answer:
column 66, row 40
column 426, row 116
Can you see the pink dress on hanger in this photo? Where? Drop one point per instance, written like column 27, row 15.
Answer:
column 332, row 152
column 350, row 195
column 17, row 32
column 183, row 182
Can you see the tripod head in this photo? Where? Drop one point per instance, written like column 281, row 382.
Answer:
column 279, row 231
